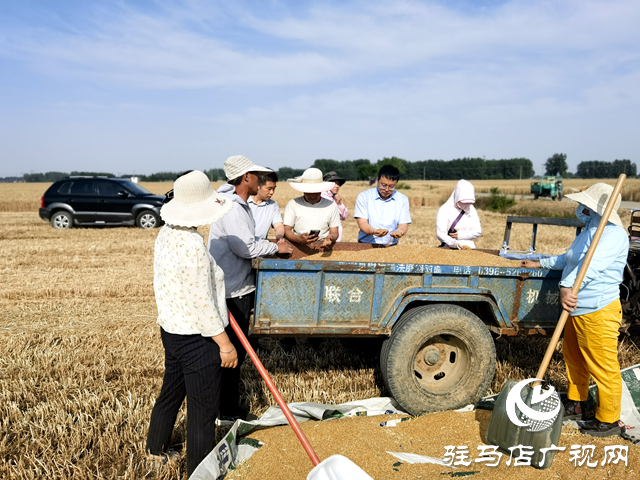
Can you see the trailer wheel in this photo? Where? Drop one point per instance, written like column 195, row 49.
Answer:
column 535, row 196
column 438, row 357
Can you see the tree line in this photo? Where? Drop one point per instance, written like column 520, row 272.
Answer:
column 469, row 168
column 557, row 165
column 364, row 169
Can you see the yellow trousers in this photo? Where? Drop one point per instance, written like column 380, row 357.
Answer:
column 590, row 349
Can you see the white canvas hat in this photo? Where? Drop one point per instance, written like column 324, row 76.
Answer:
column 596, row 197
column 311, row 182
column 239, row 165
column 194, row 202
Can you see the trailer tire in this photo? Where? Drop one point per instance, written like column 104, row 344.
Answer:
column 438, row 357
column 535, row 196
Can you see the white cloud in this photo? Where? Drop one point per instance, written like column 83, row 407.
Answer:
column 342, row 80
column 179, row 47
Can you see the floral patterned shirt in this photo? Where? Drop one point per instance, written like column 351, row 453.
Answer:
column 188, row 284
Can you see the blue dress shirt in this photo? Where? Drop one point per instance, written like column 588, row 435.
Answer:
column 387, row 214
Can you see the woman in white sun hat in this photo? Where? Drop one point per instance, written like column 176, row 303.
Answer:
column 590, row 345
column 311, row 219
column 190, row 296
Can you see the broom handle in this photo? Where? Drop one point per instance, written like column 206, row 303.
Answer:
column 583, row 271
column 283, row 405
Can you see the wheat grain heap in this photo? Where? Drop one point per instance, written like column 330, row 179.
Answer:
column 416, row 254
column 366, row 443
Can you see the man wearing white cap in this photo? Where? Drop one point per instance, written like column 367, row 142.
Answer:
column 311, row 218
column 232, row 242
column 590, row 345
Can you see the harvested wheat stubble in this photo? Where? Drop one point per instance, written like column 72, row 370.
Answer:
column 363, row 441
column 417, row 254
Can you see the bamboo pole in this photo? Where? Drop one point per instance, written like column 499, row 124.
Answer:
column 583, row 271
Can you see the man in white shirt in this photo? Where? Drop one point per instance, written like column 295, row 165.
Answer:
column 266, row 212
column 232, row 243
column 382, row 213
column 311, row 219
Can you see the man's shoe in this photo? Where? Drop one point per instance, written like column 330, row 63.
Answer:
column 156, row 462
column 596, row 428
column 572, row 409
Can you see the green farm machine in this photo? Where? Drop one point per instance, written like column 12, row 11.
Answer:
column 548, row 186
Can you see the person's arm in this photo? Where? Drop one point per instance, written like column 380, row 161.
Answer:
column 240, row 237
column 302, row 238
column 332, row 238
column 342, row 208
column 363, row 225
column 442, row 228
column 276, row 222
column 202, row 297
column 401, row 231
column 609, row 248
column 472, row 228
column 279, row 228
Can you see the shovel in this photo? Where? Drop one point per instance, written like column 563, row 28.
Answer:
column 541, row 435
column 336, row 467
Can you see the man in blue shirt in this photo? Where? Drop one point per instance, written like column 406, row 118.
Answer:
column 590, row 346
column 382, row 213
column 265, row 211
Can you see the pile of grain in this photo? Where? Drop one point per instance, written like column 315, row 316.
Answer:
column 363, row 441
column 416, row 254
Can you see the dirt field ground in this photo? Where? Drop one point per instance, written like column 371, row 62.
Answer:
column 82, row 362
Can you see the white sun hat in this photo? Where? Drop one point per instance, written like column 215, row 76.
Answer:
column 239, row 165
column 311, row 182
column 596, row 197
column 194, row 202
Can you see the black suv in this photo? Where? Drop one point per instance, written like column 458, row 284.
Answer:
column 100, row 201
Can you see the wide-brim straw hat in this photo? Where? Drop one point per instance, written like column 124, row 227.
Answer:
column 238, row 165
column 596, row 197
column 311, row 182
column 194, row 202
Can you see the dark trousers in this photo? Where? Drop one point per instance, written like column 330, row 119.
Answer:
column 241, row 308
column 192, row 369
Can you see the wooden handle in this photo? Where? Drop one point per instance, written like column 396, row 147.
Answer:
column 583, row 271
column 274, row 391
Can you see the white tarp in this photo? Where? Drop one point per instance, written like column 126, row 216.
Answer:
column 232, row 450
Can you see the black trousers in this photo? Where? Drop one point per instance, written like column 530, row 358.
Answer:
column 241, row 308
column 192, row 369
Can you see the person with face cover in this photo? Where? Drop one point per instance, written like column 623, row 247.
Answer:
column 457, row 222
column 590, row 346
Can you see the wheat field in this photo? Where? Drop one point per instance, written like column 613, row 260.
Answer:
column 82, row 360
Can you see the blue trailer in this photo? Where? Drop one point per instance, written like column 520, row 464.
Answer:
column 438, row 320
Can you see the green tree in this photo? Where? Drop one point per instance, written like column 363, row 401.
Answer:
column 366, row 170
column 556, row 164
column 285, row 173
column 399, row 163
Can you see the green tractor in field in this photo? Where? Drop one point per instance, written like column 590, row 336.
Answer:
column 548, row 186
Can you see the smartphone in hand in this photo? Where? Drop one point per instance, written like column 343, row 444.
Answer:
column 314, row 233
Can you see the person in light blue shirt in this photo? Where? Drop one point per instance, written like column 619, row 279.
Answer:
column 590, row 344
column 382, row 213
column 266, row 212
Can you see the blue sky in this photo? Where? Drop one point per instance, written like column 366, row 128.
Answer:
column 146, row 86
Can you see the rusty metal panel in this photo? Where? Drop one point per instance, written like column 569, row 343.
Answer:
column 287, row 298
column 393, row 286
column 346, row 299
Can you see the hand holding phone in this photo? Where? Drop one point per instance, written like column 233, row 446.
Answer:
column 314, row 233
